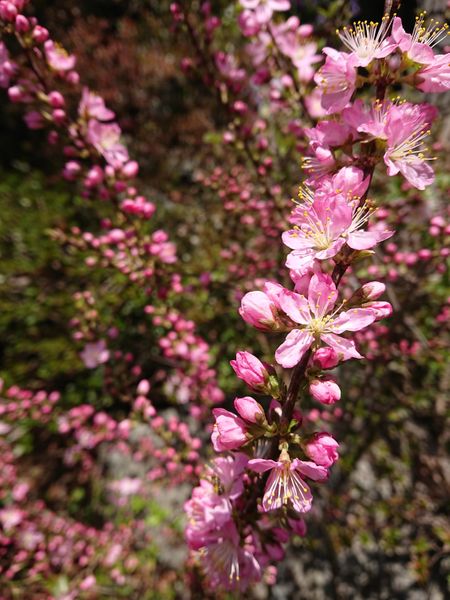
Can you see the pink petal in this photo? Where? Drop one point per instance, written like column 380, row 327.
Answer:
column 331, row 251
column 310, row 469
column 322, row 294
column 300, row 261
column 362, row 240
column 294, row 347
column 344, row 348
column 260, row 465
column 296, row 307
column 353, row 320
column 296, row 240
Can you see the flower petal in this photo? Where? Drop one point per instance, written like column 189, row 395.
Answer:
column 294, row 347
column 296, row 307
column 345, row 348
column 353, row 320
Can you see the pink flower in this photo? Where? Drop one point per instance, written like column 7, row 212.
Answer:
column 367, row 41
column 285, row 485
column 322, row 449
column 325, row 390
column 435, row 77
column 318, row 323
column 251, row 370
column 105, row 138
column 230, row 431
column 229, row 470
column 57, row 58
column 406, row 128
column 93, row 106
column 418, row 44
column 95, row 354
column 336, row 79
column 323, row 226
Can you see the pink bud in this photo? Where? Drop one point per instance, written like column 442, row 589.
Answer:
column 325, row 358
column 56, row 99
column 40, row 34
column 229, row 430
column 258, row 310
column 249, row 409
column 143, row 387
column 251, row 370
column 130, row 169
column 325, row 390
column 22, row 24
column 373, row 290
column 322, row 449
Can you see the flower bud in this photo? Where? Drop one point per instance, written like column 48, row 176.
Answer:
column 250, row 410
column 325, row 390
column 325, row 358
column 322, row 448
column 373, row 290
column 259, row 310
column 229, row 430
column 251, row 370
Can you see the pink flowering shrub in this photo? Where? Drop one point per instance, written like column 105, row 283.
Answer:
column 333, row 306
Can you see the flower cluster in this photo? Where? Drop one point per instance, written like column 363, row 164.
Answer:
column 332, row 229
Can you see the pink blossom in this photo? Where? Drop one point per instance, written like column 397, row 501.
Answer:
column 325, row 390
column 322, row 449
column 105, row 138
column 318, row 323
column 285, row 485
column 336, row 79
column 58, row 58
column 434, row 77
column 323, row 226
column 325, row 358
column 368, row 40
column 406, row 128
column 95, row 354
column 93, row 106
column 418, row 44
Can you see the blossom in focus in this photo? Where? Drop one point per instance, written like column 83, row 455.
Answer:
column 323, row 226
column 95, row 354
column 285, row 485
column 406, row 129
column 368, row 40
column 418, row 45
column 320, row 323
column 336, row 79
